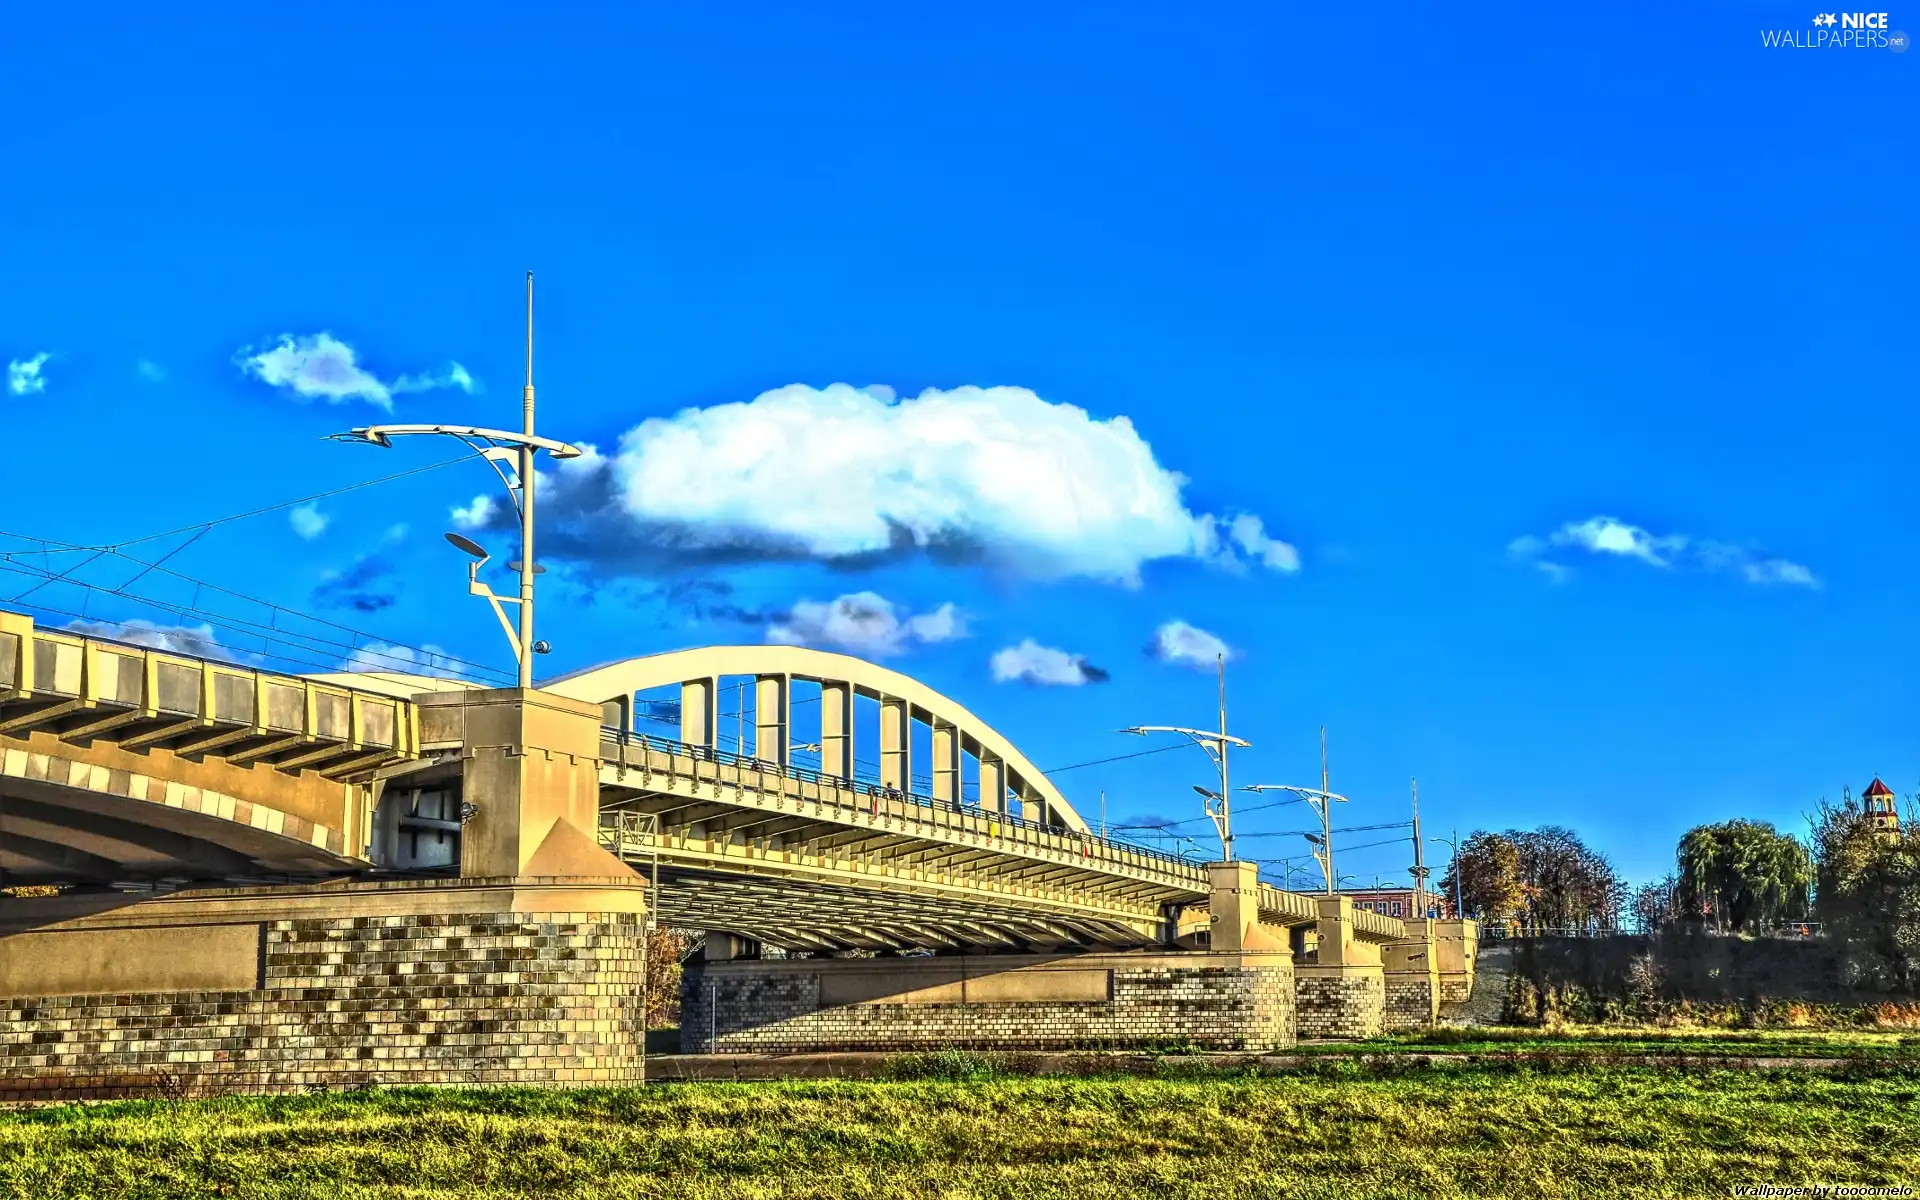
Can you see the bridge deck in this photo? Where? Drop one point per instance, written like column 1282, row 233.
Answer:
column 85, row 689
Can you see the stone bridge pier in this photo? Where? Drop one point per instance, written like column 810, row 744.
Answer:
column 520, row 961
column 1252, row 988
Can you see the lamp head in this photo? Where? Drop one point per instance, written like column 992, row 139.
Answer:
column 467, row 545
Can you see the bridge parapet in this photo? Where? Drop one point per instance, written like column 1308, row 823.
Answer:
column 82, row 688
column 788, row 786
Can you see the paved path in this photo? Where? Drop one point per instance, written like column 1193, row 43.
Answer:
column 682, row 1068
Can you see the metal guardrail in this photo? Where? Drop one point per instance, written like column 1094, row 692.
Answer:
column 877, row 794
column 132, row 687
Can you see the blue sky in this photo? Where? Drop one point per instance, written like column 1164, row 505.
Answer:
column 1410, row 288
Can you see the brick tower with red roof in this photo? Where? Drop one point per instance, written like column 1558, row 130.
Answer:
column 1878, row 801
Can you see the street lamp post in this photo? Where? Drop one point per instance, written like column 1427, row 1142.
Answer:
column 1215, row 743
column 496, row 446
column 1321, row 801
column 1453, row 843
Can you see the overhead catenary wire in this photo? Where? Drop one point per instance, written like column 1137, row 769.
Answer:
column 226, row 620
column 270, row 634
column 66, row 548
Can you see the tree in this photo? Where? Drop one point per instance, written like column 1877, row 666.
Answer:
column 1867, row 892
column 1486, row 874
column 1743, row 875
column 1653, row 905
column 1566, row 884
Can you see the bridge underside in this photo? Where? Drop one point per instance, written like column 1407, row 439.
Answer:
column 827, row 917
column 55, row 833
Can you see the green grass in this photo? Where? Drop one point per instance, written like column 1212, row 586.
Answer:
column 1340, row 1131
column 1766, row 1043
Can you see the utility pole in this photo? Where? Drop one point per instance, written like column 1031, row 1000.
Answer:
column 1322, row 802
column 1225, row 820
column 526, row 508
column 496, row 447
column 1419, row 859
column 1459, row 909
column 1216, row 744
column 1326, row 813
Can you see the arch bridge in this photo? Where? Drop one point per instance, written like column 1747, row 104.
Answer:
column 854, row 808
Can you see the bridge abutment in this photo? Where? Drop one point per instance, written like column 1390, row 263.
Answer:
column 467, row 981
column 1135, row 1000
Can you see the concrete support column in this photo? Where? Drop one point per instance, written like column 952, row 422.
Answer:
column 700, row 712
column 1412, row 978
column 530, row 769
column 896, row 763
column 946, row 763
column 1032, row 807
column 993, row 784
column 771, row 702
column 1456, row 944
column 1343, row 993
column 836, row 728
column 1235, row 908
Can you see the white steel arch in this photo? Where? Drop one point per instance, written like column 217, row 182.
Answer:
column 1004, row 771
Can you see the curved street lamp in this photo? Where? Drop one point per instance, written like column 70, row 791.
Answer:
column 1215, row 742
column 497, row 446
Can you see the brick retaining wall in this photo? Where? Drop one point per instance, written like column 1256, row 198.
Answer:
column 1409, row 1001
column 791, row 1006
column 524, row 998
column 1339, row 1002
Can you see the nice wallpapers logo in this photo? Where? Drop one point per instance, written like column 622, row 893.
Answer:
column 1839, row 31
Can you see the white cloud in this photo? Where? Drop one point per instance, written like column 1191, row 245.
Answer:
column 479, row 514
column 404, row 660
column 865, row 623
column 324, row 367
column 993, row 475
column 1030, row 662
column 1611, row 536
column 151, row 371
column 24, row 377
column 307, row 520
column 197, row 641
column 1243, row 541
column 1179, row 642
column 1778, row 570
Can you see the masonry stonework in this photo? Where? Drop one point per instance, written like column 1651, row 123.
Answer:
column 1027, row 1002
column 1409, row 1001
column 1339, row 1002
column 518, row 995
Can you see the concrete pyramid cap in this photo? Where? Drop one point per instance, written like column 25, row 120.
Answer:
column 1262, row 937
column 568, row 852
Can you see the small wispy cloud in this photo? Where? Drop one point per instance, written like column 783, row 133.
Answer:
column 366, row 584
column 865, row 623
column 308, row 521
column 1044, row 666
column 1188, row 646
column 323, row 367
column 25, row 377
column 1603, row 536
column 1244, row 541
column 404, row 660
column 151, row 371
column 199, row 641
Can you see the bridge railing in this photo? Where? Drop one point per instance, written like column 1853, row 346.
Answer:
column 878, row 796
column 148, row 696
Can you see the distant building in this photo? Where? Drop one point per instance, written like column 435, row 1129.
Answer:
column 1878, row 801
column 1399, row 902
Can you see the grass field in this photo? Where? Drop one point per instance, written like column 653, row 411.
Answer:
column 1764, row 1043
column 1341, row 1131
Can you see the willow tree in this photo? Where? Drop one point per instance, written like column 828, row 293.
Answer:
column 1743, row 875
